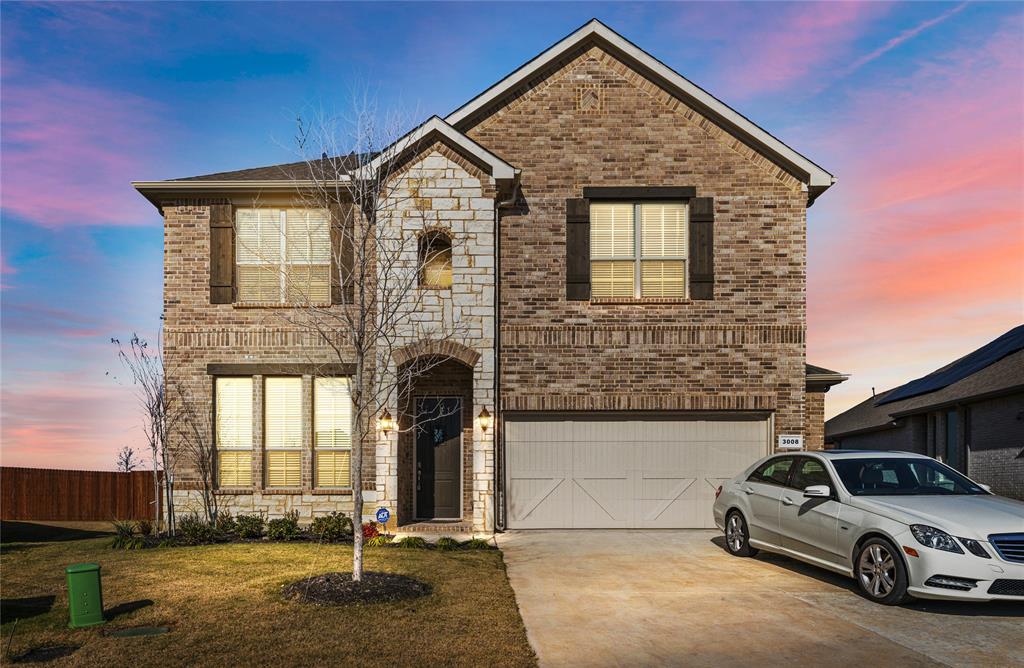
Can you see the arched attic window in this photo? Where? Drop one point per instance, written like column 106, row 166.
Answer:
column 435, row 254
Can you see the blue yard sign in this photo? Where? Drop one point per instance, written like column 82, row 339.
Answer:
column 383, row 515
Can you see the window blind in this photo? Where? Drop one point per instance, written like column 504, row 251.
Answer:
column 612, row 279
column 611, row 231
column 663, row 230
column 332, row 429
column 282, row 431
column 283, row 255
column 233, row 397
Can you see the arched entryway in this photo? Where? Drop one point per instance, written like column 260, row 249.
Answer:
column 435, row 441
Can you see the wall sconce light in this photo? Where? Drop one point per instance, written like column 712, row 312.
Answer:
column 485, row 420
column 385, row 422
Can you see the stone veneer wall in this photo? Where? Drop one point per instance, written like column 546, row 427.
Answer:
column 596, row 122
column 443, row 190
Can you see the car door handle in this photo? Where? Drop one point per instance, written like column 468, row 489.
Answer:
column 747, row 490
column 786, row 501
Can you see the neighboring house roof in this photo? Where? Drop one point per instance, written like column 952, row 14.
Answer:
column 815, row 177
column 820, row 379
column 1000, row 377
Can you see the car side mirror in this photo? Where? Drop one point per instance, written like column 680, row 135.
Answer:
column 987, row 488
column 818, row 491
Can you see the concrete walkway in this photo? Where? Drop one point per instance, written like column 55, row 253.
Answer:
column 628, row 598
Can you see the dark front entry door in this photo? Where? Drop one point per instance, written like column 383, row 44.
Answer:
column 438, row 457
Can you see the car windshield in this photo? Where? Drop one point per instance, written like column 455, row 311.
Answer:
column 891, row 476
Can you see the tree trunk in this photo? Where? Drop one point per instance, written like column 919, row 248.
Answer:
column 157, row 516
column 357, row 503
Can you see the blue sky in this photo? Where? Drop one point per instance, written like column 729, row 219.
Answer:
column 917, row 108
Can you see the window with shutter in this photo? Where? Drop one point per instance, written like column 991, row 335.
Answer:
column 638, row 250
column 233, row 397
column 332, row 431
column 282, row 431
column 283, row 256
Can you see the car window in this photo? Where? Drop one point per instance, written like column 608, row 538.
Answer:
column 810, row 472
column 773, row 471
column 884, row 476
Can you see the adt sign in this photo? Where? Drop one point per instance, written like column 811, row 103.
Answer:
column 383, row 515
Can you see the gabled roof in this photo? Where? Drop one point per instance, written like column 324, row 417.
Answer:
column 436, row 126
column 1001, row 377
column 595, row 32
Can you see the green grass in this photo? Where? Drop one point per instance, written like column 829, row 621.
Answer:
column 223, row 605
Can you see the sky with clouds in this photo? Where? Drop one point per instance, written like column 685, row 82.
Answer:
column 915, row 256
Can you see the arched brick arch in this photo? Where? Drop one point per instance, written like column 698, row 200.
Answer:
column 428, row 347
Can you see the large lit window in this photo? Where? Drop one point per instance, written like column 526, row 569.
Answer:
column 282, row 431
column 654, row 267
column 332, row 431
column 435, row 254
column 233, row 397
column 283, row 255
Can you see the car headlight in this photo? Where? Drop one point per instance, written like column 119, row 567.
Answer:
column 975, row 548
column 934, row 538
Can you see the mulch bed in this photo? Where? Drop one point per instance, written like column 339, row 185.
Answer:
column 339, row 589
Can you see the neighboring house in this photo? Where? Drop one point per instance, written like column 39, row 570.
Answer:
column 639, row 336
column 968, row 414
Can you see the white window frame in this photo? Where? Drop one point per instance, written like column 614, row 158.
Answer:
column 283, row 263
column 637, row 258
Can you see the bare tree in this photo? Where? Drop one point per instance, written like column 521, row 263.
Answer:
column 126, row 461
column 378, row 263
column 194, row 429
column 146, row 366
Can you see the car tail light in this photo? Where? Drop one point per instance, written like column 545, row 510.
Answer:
column 718, row 491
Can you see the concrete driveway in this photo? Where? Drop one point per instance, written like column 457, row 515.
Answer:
column 626, row 598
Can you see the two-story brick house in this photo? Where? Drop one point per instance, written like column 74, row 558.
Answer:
column 629, row 256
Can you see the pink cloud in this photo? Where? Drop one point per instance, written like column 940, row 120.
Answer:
column 777, row 46
column 916, row 255
column 70, row 152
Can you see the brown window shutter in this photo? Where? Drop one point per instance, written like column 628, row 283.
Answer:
column 342, row 254
column 702, row 248
column 222, row 254
column 577, row 249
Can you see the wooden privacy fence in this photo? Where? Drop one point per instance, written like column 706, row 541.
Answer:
column 53, row 494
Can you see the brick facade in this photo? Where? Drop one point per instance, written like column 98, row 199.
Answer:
column 595, row 122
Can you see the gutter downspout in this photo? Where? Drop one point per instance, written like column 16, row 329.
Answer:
column 498, row 435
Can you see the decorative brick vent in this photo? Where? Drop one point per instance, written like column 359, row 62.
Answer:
column 590, row 98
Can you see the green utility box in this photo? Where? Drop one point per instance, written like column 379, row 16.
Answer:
column 85, row 596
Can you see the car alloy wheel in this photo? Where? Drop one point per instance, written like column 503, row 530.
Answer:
column 737, row 538
column 880, row 572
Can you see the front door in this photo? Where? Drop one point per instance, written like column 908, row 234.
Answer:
column 438, row 457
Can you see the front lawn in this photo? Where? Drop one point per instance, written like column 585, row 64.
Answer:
column 223, row 605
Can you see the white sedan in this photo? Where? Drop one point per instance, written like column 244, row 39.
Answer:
column 903, row 525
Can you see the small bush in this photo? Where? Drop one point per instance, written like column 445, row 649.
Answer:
column 284, row 528
column 250, row 526
column 413, row 543
column 145, row 527
column 124, row 528
column 194, row 530
column 333, row 527
column 226, row 523
column 446, row 543
column 378, row 541
column 477, row 544
column 370, row 530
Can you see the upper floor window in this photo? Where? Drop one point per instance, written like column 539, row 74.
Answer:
column 283, row 255
column 638, row 250
column 435, row 258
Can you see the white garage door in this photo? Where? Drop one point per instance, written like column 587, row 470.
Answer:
column 592, row 473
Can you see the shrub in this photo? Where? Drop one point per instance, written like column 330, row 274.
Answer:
column 123, row 528
column 446, row 543
column 145, row 527
column 250, row 526
column 225, row 523
column 413, row 543
column 124, row 536
column 333, row 527
column 370, row 530
column 284, row 528
column 378, row 541
column 194, row 530
column 477, row 544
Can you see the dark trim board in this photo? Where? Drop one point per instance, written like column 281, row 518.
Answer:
column 650, row 416
column 639, row 192
column 263, row 369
